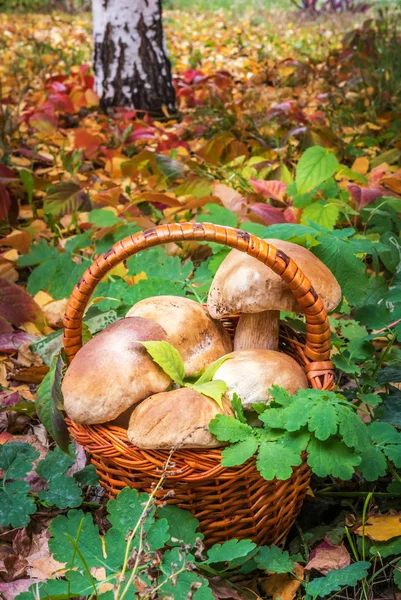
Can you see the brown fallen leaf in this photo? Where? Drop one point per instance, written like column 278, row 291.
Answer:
column 328, row 557
column 381, row 527
column 54, row 313
column 10, row 590
column 283, row 586
column 41, row 564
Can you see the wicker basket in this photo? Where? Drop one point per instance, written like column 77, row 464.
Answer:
column 229, row 502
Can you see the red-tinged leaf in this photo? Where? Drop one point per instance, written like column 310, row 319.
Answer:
column 7, row 174
column 270, row 215
column 64, row 198
column 9, row 399
column 5, row 437
column 5, row 202
column 162, row 200
column 61, row 102
column 16, row 305
column 273, row 189
column 5, row 326
column 192, row 76
column 87, row 141
column 229, row 197
column 328, row 557
column 10, row 342
column 364, row 196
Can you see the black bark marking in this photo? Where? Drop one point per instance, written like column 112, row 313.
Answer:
column 153, row 68
column 107, row 254
column 149, row 233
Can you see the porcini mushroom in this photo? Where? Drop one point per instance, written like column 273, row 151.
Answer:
column 113, row 371
column 250, row 374
column 198, row 338
column 245, row 285
column 179, row 418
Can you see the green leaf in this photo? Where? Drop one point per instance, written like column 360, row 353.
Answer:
column 16, row 459
column 87, row 476
column 322, row 213
column 79, row 527
column 354, row 431
column 182, row 525
column 236, row 404
column 335, row 580
column 388, row 439
column 126, row 509
column 228, row 429
column 239, row 453
column 63, row 492
column 213, row 213
column 275, row 460
column 28, row 183
column 323, row 420
column 38, row 253
column 315, row 166
column 338, row 256
column 15, row 506
column 391, row 547
column 57, row 275
column 158, row 535
column 229, row 551
column 168, row 358
column 373, row 465
column 210, row 371
column 48, row 402
column 275, row 560
column 212, row 389
column 55, row 463
column 64, row 198
column 102, row 217
column 332, row 457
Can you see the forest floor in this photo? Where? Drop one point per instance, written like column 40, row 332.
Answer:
column 254, row 92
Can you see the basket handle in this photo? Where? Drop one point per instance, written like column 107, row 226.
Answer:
column 317, row 347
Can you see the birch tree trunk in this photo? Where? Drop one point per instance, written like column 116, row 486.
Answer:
column 130, row 61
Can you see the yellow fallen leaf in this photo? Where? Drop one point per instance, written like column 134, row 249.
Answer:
column 283, row 586
column 381, row 527
column 30, row 327
column 42, row 298
column 361, row 165
column 11, row 255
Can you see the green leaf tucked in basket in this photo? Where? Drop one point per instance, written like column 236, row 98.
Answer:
column 169, row 359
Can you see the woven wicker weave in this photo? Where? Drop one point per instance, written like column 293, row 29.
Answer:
column 229, row 502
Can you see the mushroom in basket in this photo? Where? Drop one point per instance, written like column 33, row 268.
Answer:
column 246, row 286
column 113, row 371
column 179, row 418
column 251, row 373
column 198, row 338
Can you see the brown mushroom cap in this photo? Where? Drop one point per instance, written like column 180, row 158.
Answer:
column 113, row 371
column 250, row 374
column 243, row 284
column 199, row 339
column 179, row 418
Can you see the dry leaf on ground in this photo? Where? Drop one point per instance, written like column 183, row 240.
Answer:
column 283, row 586
column 328, row 557
column 381, row 527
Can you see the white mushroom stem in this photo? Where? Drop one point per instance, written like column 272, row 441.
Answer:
column 258, row 330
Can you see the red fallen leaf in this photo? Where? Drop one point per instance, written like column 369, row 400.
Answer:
column 5, row 202
column 5, row 437
column 7, row 399
column 273, row 189
column 364, row 196
column 7, row 174
column 192, row 76
column 5, row 326
column 16, row 305
column 328, row 557
column 269, row 214
column 89, row 142
column 10, row 342
column 61, row 102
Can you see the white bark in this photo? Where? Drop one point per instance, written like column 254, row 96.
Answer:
column 130, row 61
